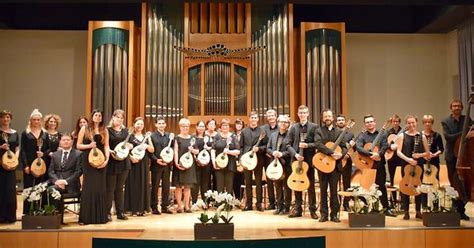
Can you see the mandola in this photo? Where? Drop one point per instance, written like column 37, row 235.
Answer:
column 139, row 151
column 187, row 159
column 121, row 150
column 204, row 158
column 38, row 167
column 223, row 159
column 249, row 159
column 9, row 158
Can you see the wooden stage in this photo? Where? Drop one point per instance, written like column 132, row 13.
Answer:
column 248, row 225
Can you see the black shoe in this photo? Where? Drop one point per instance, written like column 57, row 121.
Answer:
column 464, row 216
column 188, row 210
column 406, row 216
column 247, row 208
column 109, row 217
column 323, row 219
column 156, row 211
column 389, row 212
column 314, row 215
column 346, row 208
column 418, row 215
column 284, row 211
column 166, row 210
column 141, row 214
column 295, row 213
column 259, row 208
column 277, row 211
column 271, row 206
column 335, row 219
column 122, row 216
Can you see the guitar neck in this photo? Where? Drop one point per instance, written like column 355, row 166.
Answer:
column 377, row 139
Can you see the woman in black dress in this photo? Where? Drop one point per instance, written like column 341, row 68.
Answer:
column 51, row 125
column 202, row 171
column 7, row 177
column 117, row 170
column 239, row 175
column 211, row 127
column 136, row 187
column 186, row 178
column 225, row 176
column 81, row 122
column 93, row 197
column 29, row 151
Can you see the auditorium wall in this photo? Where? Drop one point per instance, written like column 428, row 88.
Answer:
column 386, row 73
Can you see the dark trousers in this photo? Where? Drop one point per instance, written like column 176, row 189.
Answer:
column 257, row 172
column 270, row 184
column 203, row 176
column 238, row 182
column 346, row 179
column 224, row 180
column 283, row 192
column 311, row 191
column 456, row 182
column 160, row 173
column 406, row 198
column 330, row 179
column 380, row 177
column 115, row 185
column 392, row 167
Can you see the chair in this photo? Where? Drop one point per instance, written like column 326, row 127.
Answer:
column 68, row 199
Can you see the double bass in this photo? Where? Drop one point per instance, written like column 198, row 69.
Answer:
column 464, row 153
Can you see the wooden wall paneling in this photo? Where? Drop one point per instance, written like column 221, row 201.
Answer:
column 292, row 64
column 143, row 51
column 343, row 70
column 222, row 18
column 213, row 18
column 203, row 88
column 195, row 17
column 240, row 17
column 450, row 238
column 302, row 63
column 232, row 91
column 26, row 239
column 334, row 238
column 394, row 238
column 186, row 24
column 204, row 23
column 88, row 104
column 231, row 22
column 84, row 239
column 131, row 74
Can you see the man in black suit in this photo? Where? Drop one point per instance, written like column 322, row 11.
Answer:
column 305, row 130
column 65, row 169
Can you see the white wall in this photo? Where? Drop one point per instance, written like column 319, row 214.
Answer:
column 45, row 70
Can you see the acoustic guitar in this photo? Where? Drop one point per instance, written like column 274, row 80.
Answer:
column 392, row 139
column 187, row 159
column 326, row 163
column 412, row 178
column 167, row 154
column 9, row 158
column 350, row 149
column 429, row 171
column 121, row 150
column 223, row 159
column 298, row 179
column 249, row 159
column 204, row 158
column 363, row 161
column 38, row 167
column 139, row 151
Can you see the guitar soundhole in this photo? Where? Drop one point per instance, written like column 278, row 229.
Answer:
column 251, row 156
column 412, row 173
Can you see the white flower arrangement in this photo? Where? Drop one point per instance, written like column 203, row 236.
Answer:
column 366, row 201
column 437, row 201
column 221, row 201
column 34, row 196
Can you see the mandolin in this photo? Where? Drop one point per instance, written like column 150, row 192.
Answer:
column 249, row 159
column 204, row 158
column 274, row 170
column 38, row 167
column 363, row 161
column 9, row 158
column 167, row 153
column 298, row 179
column 139, row 151
column 223, row 159
column 429, row 171
column 121, row 150
column 412, row 178
column 96, row 157
column 187, row 159
column 326, row 163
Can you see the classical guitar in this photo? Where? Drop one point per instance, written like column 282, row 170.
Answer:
column 9, row 158
column 204, row 158
column 392, row 139
column 298, row 179
column 326, row 163
column 121, row 150
column 96, row 157
column 429, row 171
column 223, row 159
column 167, row 154
column 139, row 151
column 187, row 159
column 249, row 159
column 412, row 178
column 363, row 161
column 38, row 167
column 350, row 149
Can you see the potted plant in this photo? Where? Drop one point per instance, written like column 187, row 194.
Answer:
column 39, row 216
column 440, row 211
column 366, row 211
column 210, row 226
